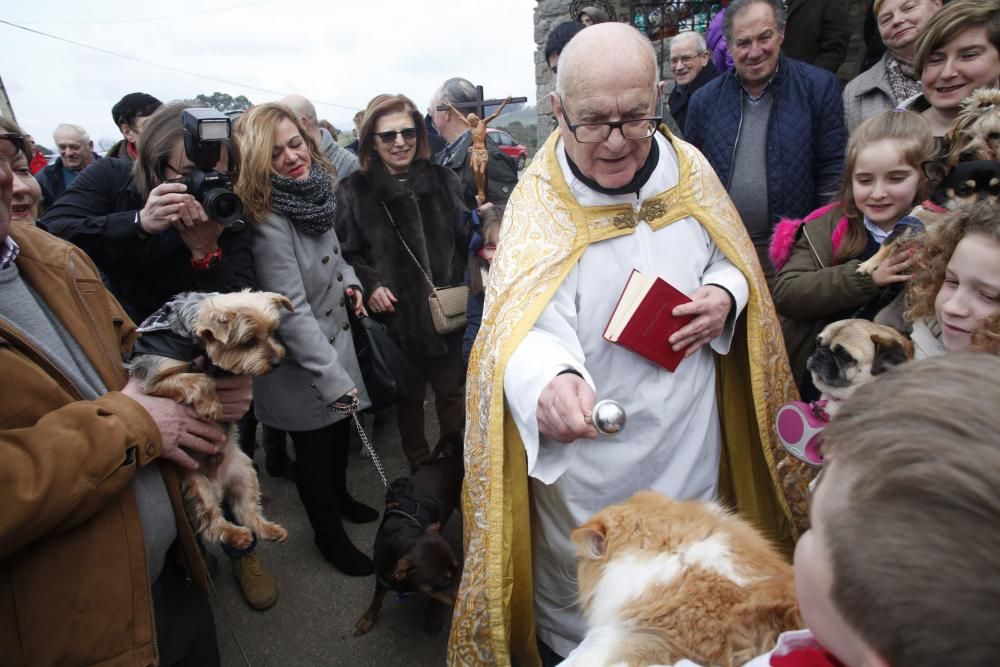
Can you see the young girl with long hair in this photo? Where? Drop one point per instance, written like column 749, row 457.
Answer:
column 816, row 258
column 954, row 298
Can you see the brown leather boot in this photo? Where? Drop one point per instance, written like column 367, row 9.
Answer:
column 258, row 586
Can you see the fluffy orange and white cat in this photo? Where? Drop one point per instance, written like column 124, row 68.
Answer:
column 662, row 580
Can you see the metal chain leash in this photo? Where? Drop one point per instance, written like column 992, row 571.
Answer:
column 351, row 410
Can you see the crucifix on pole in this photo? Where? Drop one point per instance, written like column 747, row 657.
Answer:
column 478, row 122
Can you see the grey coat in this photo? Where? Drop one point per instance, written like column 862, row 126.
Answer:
column 867, row 94
column 343, row 161
column 320, row 364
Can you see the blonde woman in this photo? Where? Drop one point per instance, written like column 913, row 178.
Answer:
column 287, row 189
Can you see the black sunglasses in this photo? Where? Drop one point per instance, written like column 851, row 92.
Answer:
column 408, row 134
column 11, row 144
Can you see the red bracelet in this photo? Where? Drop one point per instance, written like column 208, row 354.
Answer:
column 208, row 261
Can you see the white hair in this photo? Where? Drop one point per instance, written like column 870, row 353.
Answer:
column 301, row 106
column 69, row 127
column 699, row 39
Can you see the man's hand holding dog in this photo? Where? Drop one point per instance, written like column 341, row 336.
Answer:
column 180, row 427
column 710, row 306
column 565, row 408
column 895, row 269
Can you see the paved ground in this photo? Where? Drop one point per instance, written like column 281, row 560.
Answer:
column 313, row 621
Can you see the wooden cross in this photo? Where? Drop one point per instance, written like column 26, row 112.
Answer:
column 479, row 104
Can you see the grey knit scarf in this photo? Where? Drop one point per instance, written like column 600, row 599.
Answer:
column 309, row 203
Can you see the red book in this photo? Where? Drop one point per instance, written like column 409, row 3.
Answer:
column 643, row 319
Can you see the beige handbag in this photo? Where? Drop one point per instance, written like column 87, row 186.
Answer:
column 447, row 304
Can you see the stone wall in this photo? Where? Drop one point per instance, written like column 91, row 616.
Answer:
column 549, row 13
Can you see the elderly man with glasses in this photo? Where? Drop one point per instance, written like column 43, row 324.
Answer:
column 606, row 194
column 692, row 67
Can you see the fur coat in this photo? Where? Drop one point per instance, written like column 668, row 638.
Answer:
column 428, row 212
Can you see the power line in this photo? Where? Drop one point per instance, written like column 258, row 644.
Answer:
column 151, row 18
column 168, row 67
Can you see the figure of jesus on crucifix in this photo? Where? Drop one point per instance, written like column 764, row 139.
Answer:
column 478, row 155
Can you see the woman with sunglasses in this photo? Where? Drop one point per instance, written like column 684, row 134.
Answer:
column 287, row 188
column 25, row 201
column 400, row 222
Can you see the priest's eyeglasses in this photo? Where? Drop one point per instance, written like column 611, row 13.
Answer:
column 635, row 129
column 10, row 145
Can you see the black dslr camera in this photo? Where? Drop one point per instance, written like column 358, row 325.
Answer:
column 204, row 132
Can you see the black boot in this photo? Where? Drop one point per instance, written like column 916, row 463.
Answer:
column 340, row 552
column 350, row 509
column 315, row 456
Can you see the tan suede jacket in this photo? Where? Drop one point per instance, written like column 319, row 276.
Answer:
column 73, row 583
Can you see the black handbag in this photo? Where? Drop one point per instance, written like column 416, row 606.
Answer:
column 387, row 374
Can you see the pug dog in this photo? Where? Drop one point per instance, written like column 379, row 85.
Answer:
column 850, row 353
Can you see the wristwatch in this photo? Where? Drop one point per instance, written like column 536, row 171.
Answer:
column 209, row 261
column 139, row 231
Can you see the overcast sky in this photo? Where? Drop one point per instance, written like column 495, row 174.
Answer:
column 332, row 51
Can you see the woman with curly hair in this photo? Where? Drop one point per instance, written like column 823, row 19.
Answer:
column 954, row 296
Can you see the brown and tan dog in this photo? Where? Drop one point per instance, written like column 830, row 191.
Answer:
column 235, row 332
column 411, row 556
column 975, row 134
column 850, row 353
column 662, row 580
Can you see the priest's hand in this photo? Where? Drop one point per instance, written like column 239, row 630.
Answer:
column 565, row 408
column 710, row 305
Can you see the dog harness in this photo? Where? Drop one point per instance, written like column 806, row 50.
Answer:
column 405, row 500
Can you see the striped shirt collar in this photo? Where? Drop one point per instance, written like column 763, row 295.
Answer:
column 8, row 252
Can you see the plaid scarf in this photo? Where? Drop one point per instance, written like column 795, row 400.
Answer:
column 901, row 79
column 308, row 203
column 8, row 252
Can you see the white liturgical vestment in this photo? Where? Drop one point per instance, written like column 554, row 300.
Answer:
column 671, row 442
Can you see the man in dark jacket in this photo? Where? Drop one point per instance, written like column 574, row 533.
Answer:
column 501, row 174
column 76, row 153
column 691, row 64
column 130, row 114
column 818, row 32
column 773, row 112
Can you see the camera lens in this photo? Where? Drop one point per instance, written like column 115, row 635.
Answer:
column 223, row 206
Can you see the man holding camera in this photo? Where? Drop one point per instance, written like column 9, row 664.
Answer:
column 165, row 224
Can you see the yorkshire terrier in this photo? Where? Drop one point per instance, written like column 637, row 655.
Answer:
column 975, row 134
column 235, row 334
